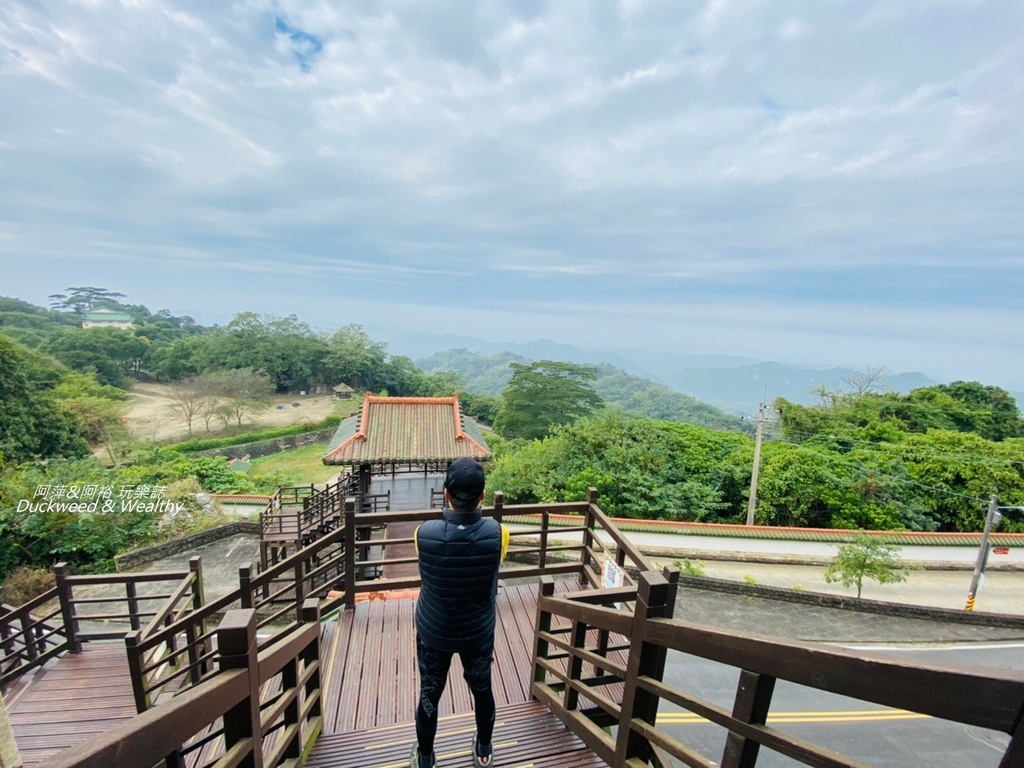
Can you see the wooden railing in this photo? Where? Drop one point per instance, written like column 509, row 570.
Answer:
column 284, row 510
column 565, row 652
column 282, row 588
column 301, row 513
column 223, row 722
column 593, row 553
column 117, row 614
column 30, row 636
column 182, row 653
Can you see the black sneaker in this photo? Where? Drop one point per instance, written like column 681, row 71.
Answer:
column 416, row 760
column 483, row 756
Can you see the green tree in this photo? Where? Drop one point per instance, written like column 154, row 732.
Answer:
column 545, row 394
column 483, row 408
column 354, row 358
column 866, row 558
column 285, row 348
column 186, row 356
column 33, row 424
column 98, row 408
column 246, row 392
column 80, row 300
column 109, row 353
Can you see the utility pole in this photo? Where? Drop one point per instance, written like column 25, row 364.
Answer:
column 992, row 518
column 752, row 503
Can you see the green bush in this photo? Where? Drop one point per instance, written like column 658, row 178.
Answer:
column 191, row 446
column 24, row 583
column 690, row 567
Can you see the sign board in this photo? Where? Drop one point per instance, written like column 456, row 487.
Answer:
column 611, row 575
column 1000, row 550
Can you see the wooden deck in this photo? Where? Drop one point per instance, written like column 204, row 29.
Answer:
column 371, row 689
column 72, row 699
column 370, row 661
column 526, row 735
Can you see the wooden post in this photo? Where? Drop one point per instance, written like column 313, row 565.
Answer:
column 299, row 596
column 131, row 646
column 7, row 633
column 310, row 656
column 194, row 631
column 195, row 673
column 753, row 700
column 574, row 666
column 290, row 682
column 27, row 637
column 543, row 624
column 195, row 565
column 645, row 659
column 133, row 605
column 350, row 552
column 67, row 607
column 545, row 521
column 236, row 638
column 588, row 534
column 245, row 585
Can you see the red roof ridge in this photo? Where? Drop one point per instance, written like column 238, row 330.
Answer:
column 408, row 400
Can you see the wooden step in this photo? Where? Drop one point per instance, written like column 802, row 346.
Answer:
column 526, row 735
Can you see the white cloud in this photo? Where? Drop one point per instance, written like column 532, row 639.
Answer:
column 730, row 149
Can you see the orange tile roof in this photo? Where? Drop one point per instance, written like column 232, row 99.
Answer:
column 406, row 429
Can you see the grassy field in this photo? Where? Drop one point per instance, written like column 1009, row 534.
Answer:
column 305, row 462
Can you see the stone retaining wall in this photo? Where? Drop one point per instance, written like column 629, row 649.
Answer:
column 261, row 448
column 852, row 603
column 132, row 560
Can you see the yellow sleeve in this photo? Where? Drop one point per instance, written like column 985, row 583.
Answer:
column 504, row 543
column 416, row 540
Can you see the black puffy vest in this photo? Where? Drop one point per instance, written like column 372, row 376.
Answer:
column 459, row 557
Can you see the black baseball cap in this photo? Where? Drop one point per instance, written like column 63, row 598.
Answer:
column 465, row 479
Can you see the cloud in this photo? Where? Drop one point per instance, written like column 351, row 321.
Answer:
column 647, row 156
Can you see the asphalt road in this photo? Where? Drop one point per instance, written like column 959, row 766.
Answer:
column 880, row 737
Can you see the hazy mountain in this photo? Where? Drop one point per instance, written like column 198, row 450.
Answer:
column 732, row 383
column 740, row 389
column 489, row 374
column 423, row 345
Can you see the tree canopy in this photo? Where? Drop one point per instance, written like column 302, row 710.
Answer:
column 543, row 395
column 33, row 422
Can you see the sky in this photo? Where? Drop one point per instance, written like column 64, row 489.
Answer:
column 820, row 182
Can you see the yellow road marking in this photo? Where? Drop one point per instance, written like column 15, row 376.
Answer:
column 847, row 716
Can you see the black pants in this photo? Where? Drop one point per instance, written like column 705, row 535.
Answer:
column 433, row 665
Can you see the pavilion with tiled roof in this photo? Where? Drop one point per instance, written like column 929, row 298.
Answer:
column 406, row 433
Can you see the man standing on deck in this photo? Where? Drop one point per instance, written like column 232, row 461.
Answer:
column 455, row 613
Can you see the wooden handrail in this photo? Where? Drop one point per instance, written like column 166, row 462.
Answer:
column 160, row 734
column 977, row 696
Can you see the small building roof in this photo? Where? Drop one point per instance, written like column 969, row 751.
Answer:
column 106, row 315
column 407, row 430
column 343, row 387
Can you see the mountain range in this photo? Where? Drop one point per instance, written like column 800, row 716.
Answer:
column 734, row 384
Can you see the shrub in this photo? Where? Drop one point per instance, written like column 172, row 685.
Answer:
column 190, row 446
column 690, row 567
column 24, row 583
